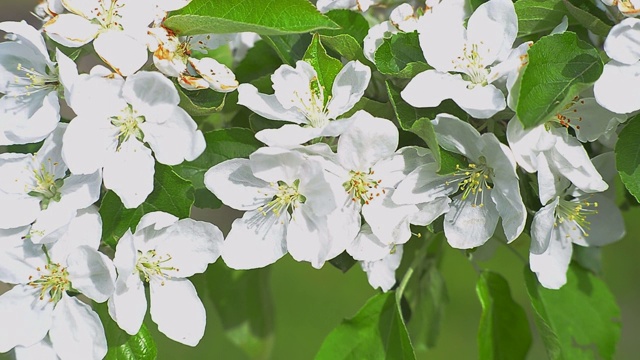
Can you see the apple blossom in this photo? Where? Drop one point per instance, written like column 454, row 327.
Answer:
column 299, row 98
column 328, row 5
column 163, row 252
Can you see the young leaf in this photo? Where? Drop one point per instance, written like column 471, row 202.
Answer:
column 263, row 17
column 200, row 102
column 326, row 67
column 628, row 157
column 538, row 16
column 290, row 48
column 171, row 194
column 243, row 302
column 583, row 15
column 348, row 40
column 376, row 332
column 346, row 46
column 401, row 56
column 578, row 321
column 504, row 330
column 221, row 145
column 560, row 67
column 122, row 346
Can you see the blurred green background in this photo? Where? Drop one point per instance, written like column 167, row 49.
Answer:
column 309, row 303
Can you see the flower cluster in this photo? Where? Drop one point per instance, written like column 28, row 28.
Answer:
column 336, row 178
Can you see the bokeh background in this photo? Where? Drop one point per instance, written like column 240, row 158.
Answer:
column 309, row 303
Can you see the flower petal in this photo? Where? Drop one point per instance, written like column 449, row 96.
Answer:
column 542, row 227
column 366, row 141
column 234, row 184
column 622, row 41
column 176, row 140
column 108, row 46
column 348, row 87
column 129, row 173
column 551, row 266
column 493, row 26
column 381, row 273
column 71, row 30
column 76, row 331
column 87, row 144
column 92, row 273
column 467, row 226
column 481, row 101
column 267, row 106
column 429, row 88
column 611, row 89
column 21, row 305
column 151, row 94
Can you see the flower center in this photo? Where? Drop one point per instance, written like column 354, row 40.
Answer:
column 34, row 81
column 576, row 212
column 108, row 16
column 286, row 199
column 47, row 187
column 472, row 66
column 150, row 265
column 473, row 181
column 569, row 115
column 313, row 104
column 53, row 282
column 361, row 187
column 128, row 124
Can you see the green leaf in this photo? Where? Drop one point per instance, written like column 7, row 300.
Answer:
column 244, row 305
column 345, row 45
column 122, row 346
column 327, row 68
column 222, row 145
column 171, row 194
column 351, row 23
column 538, row 16
column 504, row 329
column 343, row 262
column 560, row 67
column 263, row 17
column 401, row 56
column 290, row 48
column 628, row 156
column 200, row 102
column 578, row 321
column 584, row 12
column 376, row 332
column 261, row 60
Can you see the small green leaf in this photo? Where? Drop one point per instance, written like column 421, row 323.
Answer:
column 171, row 194
column 376, row 332
column 290, row 48
column 343, row 262
column 263, row 17
column 345, row 45
column 222, row 145
column 122, row 346
column 327, row 68
column 560, row 67
column 200, row 102
column 351, row 23
column 628, row 156
column 504, row 329
column 401, row 56
column 244, row 305
column 538, row 16
column 580, row 320
column 584, row 12
column 261, row 60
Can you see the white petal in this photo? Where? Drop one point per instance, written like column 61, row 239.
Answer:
column 51, row 223
column 219, row 76
column 129, row 173
column 367, row 247
column 128, row 304
column 158, row 219
column 381, row 273
column 292, row 86
column 76, row 331
column 87, row 144
column 428, row 212
column 375, row 37
column 494, row 27
column 550, row 183
column 308, row 237
column 622, row 42
column 430, row 87
column 31, row 119
column 612, row 89
column 80, row 191
column 267, row 106
column 551, row 266
column 16, row 173
column 92, row 273
column 288, row 136
column 395, row 168
column 606, row 225
column 98, row 95
column 442, row 51
column 175, row 140
column 178, row 311
column 527, row 144
column 71, row 30
column 273, row 164
column 424, row 185
column 24, row 210
column 192, row 245
column 27, row 35
column 85, row 229
column 152, row 95
column 388, row 220
column 42, row 350
column 542, row 227
column 109, row 45
column 255, row 241
column 467, row 226
column 481, row 102
column 21, row 305
column 458, row 136
column 234, row 184
column 19, row 258
column 593, row 120
column 348, row 87
column 366, row 141
column 67, row 72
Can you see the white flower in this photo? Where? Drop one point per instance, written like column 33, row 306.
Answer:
column 115, row 120
column 36, row 189
column 289, row 208
column 613, row 90
column 163, row 252
column 42, row 350
column 40, row 302
column 572, row 217
column 299, row 97
column 119, row 28
column 551, row 150
column 484, row 192
column 382, row 273
column 325, row 6
column 31, row 82
column 626, row 7
column 467, row 60
column 47, row 9
column 172, row 56
column 402, row 18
